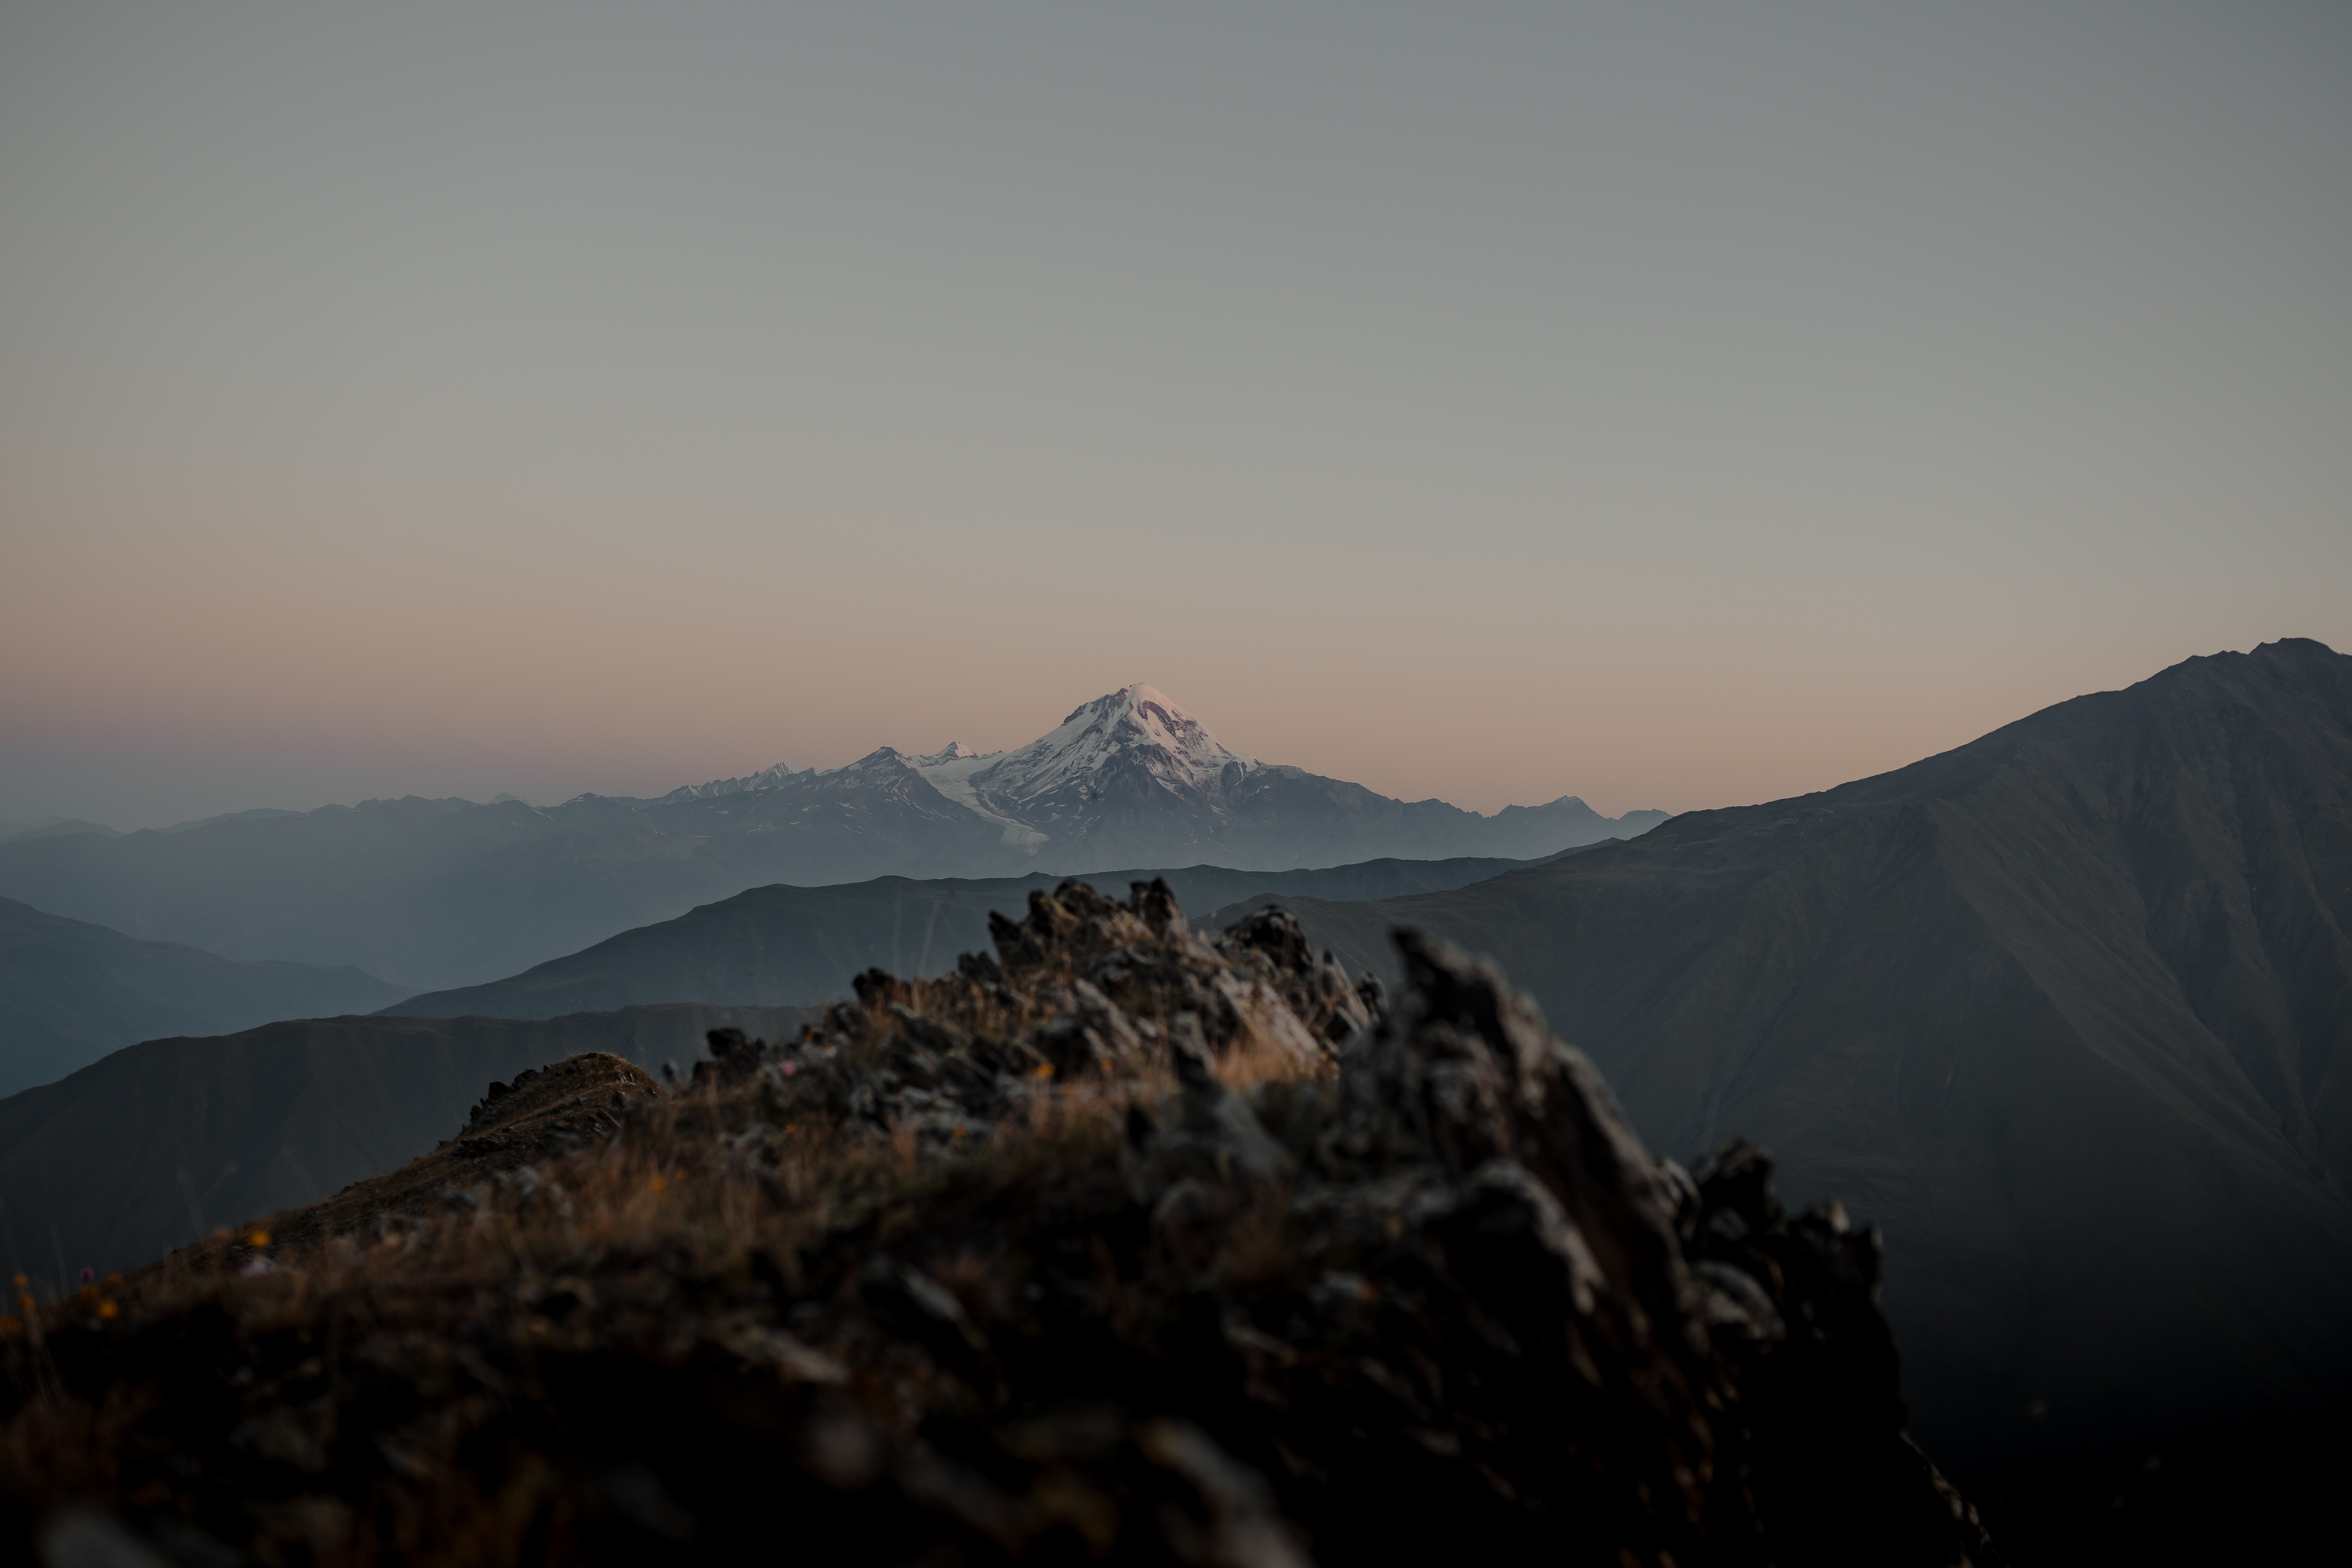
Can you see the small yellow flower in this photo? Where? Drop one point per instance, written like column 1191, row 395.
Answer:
column 258, row 1238
column 108, row 1308
column 1043, row 1069
column 658, row 1183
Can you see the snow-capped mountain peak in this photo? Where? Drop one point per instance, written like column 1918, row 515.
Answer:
column 766, row 778
column 956, row 751
column 1136, row 728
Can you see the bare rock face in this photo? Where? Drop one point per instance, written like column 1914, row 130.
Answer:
column 1083, row 987
column 1430, row 1283
column 1122, row 1246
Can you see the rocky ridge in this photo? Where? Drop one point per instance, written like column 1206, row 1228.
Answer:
column 1120, row 1245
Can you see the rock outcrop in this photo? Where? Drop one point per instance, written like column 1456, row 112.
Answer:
column 1122, row 1244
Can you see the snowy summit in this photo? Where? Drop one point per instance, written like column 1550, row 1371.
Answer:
column 1127, row 780
column 1136, row 730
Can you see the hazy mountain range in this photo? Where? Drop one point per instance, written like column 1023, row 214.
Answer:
column 436, row 894
column 70, row 992
column 55, row 827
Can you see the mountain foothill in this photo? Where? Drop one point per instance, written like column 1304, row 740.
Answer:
column 2063, row 1014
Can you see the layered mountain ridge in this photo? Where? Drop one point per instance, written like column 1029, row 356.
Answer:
column 71, row 992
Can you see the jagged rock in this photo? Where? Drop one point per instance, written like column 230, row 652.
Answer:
column 1085, row 988
column 1124, row 1245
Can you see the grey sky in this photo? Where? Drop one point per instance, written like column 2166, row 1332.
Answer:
column 1671, row 404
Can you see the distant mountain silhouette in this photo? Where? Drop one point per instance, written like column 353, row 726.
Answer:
column 70, row 992
column 428, row 893
column 155, row 1145
column 56, row 827
column 2068, row 1010
column 800, row 946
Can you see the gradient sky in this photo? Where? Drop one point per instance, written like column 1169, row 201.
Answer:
column 1673, row 405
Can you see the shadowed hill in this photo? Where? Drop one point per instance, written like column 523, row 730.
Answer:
column 2068, row 1010
column 156, row 1144
column 787, row 946
column 70, row 992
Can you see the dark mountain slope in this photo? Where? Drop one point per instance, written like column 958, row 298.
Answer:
column 70, row 992
column 2068, row 1009
column 149, row 1148
column 787, row 946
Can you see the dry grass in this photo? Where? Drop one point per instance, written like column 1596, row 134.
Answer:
column 654, row 1244
column 697, row 1186
column 724, row 1224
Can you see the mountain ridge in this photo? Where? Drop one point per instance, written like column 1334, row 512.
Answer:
column 2088, row 975
column 430, row 894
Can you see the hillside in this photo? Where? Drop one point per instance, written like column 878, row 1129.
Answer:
column 155, row 1145
column 786, row 946
column 431, row 894
column 2068, row 1010
column 70, row 992
column 1122, row 1246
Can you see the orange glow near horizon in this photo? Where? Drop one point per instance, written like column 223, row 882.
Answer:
column 1668, row 411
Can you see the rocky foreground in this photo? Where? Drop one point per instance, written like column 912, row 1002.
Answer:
column 1122, row 1246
